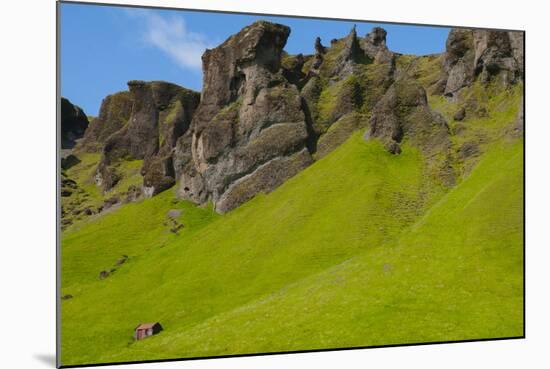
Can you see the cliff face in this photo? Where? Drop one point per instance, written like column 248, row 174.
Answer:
column 160, row 113
column 264, row 115
column 249, row 133
column 73, row 123
column 114, row 113
column 484, row 54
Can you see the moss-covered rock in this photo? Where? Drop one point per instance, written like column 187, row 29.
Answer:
column 114, row 114
column 339, row 132
column 160, row 113
column 404, row 114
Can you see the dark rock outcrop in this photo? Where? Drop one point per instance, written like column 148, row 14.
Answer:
column 68, row 160
column 483, row 54
column 460, row 114
column 249, row 133
column 350, row 55
column 73, row 124
column 161, row 112
column 403, row 112
column 374, row 46
column 292, row 68
column 348, row 77
column 114, row 113
column 264, row 115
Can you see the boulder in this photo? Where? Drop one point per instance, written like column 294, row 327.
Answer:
column 460, row 114
column 174, row 213
column 133, row 193
column 69, row 160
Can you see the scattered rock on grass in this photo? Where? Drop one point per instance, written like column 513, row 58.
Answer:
column 176, row 228
column 122, row 260
column 103, row 274
column 460, row 114
column 174, row 213
column 133, row 193
column 110, row 202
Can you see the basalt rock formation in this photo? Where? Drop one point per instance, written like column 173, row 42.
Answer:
column 249, row 133
column 483, row 54
column 73, row 123
column 264, row 115
column 114, row 113
column 403, row 112
column 160, row 113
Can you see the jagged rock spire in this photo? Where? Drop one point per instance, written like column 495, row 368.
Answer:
column 374, row 46
column 319, row 48
column 352, row 44
column 351, row 54
column 377, row 36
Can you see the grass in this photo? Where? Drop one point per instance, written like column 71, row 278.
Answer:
column 290, row 234
column 501, row 106
column 431, row 284
column 89, row 195
column 344, row 254
column 361, row 248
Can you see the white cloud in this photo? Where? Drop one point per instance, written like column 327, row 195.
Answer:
column 170, row 35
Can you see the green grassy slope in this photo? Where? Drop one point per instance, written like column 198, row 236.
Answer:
column 361, row 248
column 435, row 283
column 88, row 195
column 288, row 235
column 322, row 262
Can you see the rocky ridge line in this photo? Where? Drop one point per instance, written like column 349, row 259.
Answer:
column 264, row 115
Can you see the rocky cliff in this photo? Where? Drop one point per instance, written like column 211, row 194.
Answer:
column 114, row 113
column 264, row 115
column 249, row 133
column 483, row 54
column 160, row 113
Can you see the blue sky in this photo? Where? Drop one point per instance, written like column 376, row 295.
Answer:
column 103, row 47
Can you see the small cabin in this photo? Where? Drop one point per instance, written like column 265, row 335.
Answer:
column 145, row 330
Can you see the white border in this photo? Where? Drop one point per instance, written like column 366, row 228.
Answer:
column 28, row 181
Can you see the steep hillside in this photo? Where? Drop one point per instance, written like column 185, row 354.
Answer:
column 360, row 215
column 432, row 283
column 363, row 200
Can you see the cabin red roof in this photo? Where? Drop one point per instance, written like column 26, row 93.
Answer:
column 146, row 325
